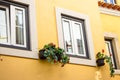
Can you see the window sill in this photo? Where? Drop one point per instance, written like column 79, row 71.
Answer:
column 109, row 11
column 87, row 62
column 117, row 71
column 19, row 53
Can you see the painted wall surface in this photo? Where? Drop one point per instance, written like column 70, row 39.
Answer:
column 15, row 68
column 111, row 25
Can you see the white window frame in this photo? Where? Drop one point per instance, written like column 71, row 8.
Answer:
column 76, row 60
column 74, row 45
column 110, row 48
column 12, row 30
column 33, row 53
column 13, row 24
column 109, row 35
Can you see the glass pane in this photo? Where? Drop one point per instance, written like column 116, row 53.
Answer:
column 78, row 35
column 109, row 51
column 19, row 27
column 67, row 36
column 3, row 26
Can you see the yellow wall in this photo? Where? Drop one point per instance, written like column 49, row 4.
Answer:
column 14, row 68
column 111, row 24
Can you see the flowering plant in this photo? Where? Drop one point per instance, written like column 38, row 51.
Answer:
column 107, row 59
column 54, row 54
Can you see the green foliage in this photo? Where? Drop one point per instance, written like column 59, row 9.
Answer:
column 55, row 54
column 108, row 60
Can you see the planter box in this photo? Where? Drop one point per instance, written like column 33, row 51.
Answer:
column 100, row 62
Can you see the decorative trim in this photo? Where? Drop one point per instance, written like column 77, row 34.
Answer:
column 109, row 5
column 75, row 60
column 109, row 11
column 33, row 35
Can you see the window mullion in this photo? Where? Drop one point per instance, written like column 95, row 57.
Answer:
column 73, row 38
column 13, row 31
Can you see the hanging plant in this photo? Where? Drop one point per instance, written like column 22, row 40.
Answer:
column 53, row 54
column 101, row 57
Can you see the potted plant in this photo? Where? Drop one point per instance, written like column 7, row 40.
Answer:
column 53, row 54
column 101, row 57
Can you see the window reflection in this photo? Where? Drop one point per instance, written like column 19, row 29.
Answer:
column 67, row 36
column 3, row 26
column 19, row 27
column 78, row 34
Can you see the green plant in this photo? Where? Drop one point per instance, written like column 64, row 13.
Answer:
column 55, row 54
column 108, row 60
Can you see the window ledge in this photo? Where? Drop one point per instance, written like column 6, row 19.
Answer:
column 117, row 71
column 109, row 11
column 87, row 62
column 107, row 8
column 19, row 53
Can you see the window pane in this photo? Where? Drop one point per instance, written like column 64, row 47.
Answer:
column 67, row 36
column 110, row 51
column 3, row 26
column 19, row 27
column 78, row 35
column 110, row 1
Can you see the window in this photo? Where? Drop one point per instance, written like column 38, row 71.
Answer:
column 14, row 25
column 18, row 18
column 110, row 51
column 110, row 1
column 112, row 48
column 74, row 36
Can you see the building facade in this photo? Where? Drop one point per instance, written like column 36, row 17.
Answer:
column 81, row 27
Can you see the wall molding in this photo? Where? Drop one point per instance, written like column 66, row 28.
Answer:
column 109, row 11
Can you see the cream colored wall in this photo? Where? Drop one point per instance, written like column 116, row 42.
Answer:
column 14, row 68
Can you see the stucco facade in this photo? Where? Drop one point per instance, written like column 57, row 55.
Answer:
column 43, row 30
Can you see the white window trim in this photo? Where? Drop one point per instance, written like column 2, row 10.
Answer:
column 74, row 45
column 110, row 51
column 75, row 60
column 109, row 11
column 33, row 35
column 117, row 50
column 13, row 24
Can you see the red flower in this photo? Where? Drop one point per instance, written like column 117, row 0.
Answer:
column 110, row 54
column 103, row 51
column 55, row 61
column 51, row 44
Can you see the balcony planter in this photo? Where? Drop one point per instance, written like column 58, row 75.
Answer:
column 41, row 54
column 100, row 62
